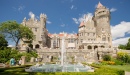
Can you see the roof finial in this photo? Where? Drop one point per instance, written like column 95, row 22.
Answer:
column 99, row 5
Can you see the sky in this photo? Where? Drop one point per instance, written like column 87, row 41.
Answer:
column 66, row 15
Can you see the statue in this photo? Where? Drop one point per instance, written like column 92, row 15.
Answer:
column 12, row 61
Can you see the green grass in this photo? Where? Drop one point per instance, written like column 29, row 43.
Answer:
column 122, row 67
column 14, row 71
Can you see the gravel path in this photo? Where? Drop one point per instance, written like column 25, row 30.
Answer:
column 127, row 73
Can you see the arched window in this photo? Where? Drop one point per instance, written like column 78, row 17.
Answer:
column 108, row 39
column 95, row 47
column 37, row 46
column 89, row 47
column 102, row 46
column 30, row 45
column 54, row 44
column 104, row 38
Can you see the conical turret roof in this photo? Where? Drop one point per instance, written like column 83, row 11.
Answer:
column 81, row 24
column 99, row 5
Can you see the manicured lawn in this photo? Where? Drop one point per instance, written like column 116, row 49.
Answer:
column 13, row 71
column 122, row 67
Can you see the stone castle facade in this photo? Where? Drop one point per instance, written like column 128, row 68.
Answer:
column 92, row 41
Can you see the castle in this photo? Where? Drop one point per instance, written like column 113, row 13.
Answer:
column 92, row 41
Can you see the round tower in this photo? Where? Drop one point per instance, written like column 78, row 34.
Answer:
column 102, row 24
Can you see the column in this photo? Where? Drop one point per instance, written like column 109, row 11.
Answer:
column 51, row 43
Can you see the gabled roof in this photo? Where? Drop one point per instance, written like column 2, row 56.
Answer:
column 81, row 24
column 99, row 5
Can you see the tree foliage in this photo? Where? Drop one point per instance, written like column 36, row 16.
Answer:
column 122, row 47
column 15, row 31
column 8, row 53
column 3, row 42
column 126, row 46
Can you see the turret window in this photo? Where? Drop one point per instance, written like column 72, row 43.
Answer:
column 104, row 39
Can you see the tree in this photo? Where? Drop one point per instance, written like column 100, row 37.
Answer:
column 128, row 45
column 3, row 42
column 122, row 47
column 16, row 32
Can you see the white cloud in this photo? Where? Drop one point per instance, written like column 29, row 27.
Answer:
column 20, row 8
column 113, row 9
column 120, row 30
column 48, row 22
column 83, row 17
column 62, row 25
column 75, row 20
column 118, row 33
column 32, row 15
column 72, row 7
column 120, row 41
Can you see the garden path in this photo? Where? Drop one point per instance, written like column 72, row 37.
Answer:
column 127, row 73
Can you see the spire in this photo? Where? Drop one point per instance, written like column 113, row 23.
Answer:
column 99, row 5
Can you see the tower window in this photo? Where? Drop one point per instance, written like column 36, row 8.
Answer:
column 108, row 39
column 34, row 37
column 88, row 34
column 41, row 36
column 54, row 44
column 36, row 29
column 81, row 40
column 104, row 39
column 93, row 34
column 102, row 29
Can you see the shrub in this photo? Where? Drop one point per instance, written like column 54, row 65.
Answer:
column 123, row 56
column 118, row 62
column 106, row 57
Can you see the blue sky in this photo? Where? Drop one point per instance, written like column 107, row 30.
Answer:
column 65, row 15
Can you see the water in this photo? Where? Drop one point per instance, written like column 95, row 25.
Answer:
column 58, row 68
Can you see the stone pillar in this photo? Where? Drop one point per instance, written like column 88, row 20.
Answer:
column 100, row 56
column 51, row 43
column 23, row 60
column 33, row 46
